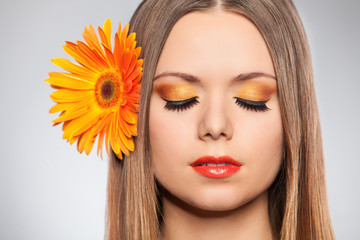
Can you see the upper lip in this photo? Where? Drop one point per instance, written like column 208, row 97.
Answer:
column 217, row 160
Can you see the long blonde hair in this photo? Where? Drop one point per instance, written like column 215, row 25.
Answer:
column 297, row 199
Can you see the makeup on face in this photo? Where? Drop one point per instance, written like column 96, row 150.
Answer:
column 216, row 167
column 256, row 89
column 250, row 94
column 175, row 92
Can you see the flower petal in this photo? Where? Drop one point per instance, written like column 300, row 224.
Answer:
column 127, row 142
column 123, row 34
column 73, row 68
column 94, row 55
column 100, row 143
column 107, row 31
column 114, row 139
column 60, row 107
column 91, row 39
column 131, row 66
column 69, row 115
column 128, row 116
column 109, row 56
column 126, row 60
column 104, row 40
column 81, row 124
column 130, row 40
column 70, row 83
column 81, row 58
column 82, row 140
column 65, row 95
column 133, row 129
column 118, row 50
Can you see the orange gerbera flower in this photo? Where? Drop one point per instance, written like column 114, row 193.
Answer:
column 100, row 95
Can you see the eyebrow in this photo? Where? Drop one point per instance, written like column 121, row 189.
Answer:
column 251, row 75
column 184, row 76
column 191, row 78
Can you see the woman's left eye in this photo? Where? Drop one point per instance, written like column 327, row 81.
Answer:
column 257, row 106
column 180, row 105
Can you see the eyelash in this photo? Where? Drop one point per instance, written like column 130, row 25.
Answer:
column 181, row 105
column 257, row 106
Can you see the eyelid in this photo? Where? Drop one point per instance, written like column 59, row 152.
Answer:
column 256, row 90
column 175, row 92
column 251, row 101
column 179, row 101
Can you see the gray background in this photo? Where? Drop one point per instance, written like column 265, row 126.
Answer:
column 50, row 191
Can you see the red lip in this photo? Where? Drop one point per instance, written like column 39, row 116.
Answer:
column 222, row 171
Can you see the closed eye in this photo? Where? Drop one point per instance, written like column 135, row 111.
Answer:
column 257, row 106
column 180, row 105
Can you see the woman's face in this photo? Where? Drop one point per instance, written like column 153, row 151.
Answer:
column 215, row 99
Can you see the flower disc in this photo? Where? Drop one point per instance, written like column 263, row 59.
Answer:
column 108, row 89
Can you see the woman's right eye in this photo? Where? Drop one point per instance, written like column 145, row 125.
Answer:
column 180, row 105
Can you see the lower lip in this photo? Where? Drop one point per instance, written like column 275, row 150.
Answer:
column 217, row 171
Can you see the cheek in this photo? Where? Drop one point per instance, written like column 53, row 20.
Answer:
column 269, row 140
column 265, row 135
column 170, row 136
column 166, row 134
column 262, row 147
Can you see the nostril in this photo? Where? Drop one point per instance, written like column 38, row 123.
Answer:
column 216, row 136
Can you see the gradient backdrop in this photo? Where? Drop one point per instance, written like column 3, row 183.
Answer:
column 50, row 191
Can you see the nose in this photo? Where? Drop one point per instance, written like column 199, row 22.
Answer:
column 215, row 122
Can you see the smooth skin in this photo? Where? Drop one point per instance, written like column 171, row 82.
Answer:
column 214, row 48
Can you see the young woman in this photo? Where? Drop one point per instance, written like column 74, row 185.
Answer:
column 229, row 143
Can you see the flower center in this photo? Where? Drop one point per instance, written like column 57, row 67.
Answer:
column 108, row 89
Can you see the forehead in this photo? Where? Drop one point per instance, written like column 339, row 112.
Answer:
column 215, row 42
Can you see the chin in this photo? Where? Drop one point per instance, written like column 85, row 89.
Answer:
column 219, row 201
column 218, row 206
column 210, row 199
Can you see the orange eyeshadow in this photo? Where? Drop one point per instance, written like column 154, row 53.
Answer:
column 256, row 90
column 175, row 92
